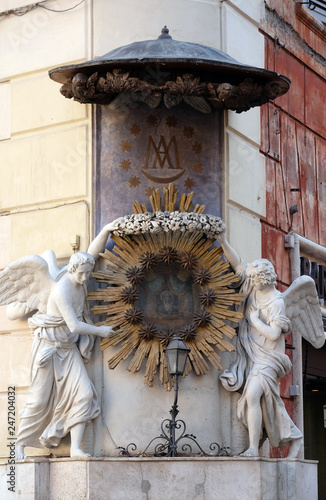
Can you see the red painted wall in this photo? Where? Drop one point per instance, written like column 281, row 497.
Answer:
column 294, row 138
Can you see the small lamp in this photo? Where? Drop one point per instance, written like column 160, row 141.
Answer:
column 176, row 356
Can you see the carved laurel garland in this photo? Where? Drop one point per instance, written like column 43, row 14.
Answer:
column 149, row 239
column 118, row 88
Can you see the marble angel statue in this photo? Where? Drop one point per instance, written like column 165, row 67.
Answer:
column 261, row 360
column 61, row 397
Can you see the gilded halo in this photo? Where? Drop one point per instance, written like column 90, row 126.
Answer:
column 164, row 275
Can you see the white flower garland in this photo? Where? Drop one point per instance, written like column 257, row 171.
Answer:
column 155, row 222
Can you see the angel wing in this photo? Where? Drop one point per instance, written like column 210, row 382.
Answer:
column 26, row 281
column 303, row 309
column 55, row 271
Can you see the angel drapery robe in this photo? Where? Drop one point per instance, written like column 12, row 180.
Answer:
column 61, row 394
column 259, row 357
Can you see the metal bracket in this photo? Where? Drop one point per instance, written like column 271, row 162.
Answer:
column 289, row 241
column 294, row 390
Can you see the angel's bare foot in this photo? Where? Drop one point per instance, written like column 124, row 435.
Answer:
column 78, row 452
column 250, row 452
column 295, row 448
column 20, row 455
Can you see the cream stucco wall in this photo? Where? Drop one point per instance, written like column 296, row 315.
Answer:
column 245, row 202
column 46, row 151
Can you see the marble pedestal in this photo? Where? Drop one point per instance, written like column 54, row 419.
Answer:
column 233, row 478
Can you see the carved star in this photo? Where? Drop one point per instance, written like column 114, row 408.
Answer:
column 202, row 276
column 134, row 181
column 197, row 167
column 171, row 121
column 166, row 336
column 207, row 297
column 188, row 132
column 202, row 318
column 135, row 275
column 188, row 260
column 125, row 164
column 148, row 260
column 168, row 254
column 189, row 332
column 125, row 146
column 149, row 191
column 135, row 129
column 152, row 120
column 129, row 294
column 147, row 331
column 197, row 148
column 134, row 316
column 189, row 183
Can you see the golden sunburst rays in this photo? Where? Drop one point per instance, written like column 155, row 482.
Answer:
column 169, row 200
column 165, row 276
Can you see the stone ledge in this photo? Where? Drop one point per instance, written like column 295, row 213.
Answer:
column 204, row 478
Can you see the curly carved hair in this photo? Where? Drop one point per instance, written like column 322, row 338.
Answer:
column 263, row 270
column 79, row 258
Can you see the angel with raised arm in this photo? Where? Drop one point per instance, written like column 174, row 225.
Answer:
column 261, row 360
column 61, row 397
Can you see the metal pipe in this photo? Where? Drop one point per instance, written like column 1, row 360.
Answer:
column 174, row 412
column 297, row 245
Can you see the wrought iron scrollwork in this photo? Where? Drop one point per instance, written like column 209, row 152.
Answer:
column 168, row 447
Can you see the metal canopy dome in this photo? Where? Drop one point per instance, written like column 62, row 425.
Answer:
column 209, row 68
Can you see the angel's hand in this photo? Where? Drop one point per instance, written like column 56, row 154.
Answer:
column 221, row 237
column 105, row 331
column 98, row 244
column 113, row 226
column 254, row 314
